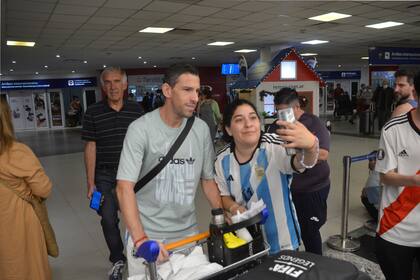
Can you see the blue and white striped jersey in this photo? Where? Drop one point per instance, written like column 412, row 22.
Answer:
column 267, row 176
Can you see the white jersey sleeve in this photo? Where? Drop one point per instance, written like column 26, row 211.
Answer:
column 277, row 153
column 387, row 155
column 220, row 177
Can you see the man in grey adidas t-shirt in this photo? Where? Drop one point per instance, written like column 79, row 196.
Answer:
column 164, row 208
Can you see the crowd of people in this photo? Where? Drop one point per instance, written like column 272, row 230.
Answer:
column 121, row 150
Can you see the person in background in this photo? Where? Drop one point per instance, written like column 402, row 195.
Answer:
column 383, row 97
column 23, row 251
column 255, row 165
column 208, row 110
column 309, row 189
column 104, row 127
column 371, row 192
column 164, row 208
column 405, row 92
column 398, row 162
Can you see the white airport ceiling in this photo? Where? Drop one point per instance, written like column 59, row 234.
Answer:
column 106, row 31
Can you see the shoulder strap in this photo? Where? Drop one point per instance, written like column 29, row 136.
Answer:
column 155, row 171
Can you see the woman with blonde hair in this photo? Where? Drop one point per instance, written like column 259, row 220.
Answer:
column 23, row 251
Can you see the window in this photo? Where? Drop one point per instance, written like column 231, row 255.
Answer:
column 288, row 70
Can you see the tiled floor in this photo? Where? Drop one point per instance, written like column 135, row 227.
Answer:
column 84, row 253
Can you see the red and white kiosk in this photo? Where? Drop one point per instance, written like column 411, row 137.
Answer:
column 286, row 69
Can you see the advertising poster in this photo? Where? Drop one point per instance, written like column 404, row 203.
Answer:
column 28, row 112
column 56, row 112
column 17, row 114
column 40, row 110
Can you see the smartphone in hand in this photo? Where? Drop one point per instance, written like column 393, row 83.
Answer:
column 95, row 201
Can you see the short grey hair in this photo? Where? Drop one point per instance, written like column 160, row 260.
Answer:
column 113, row 69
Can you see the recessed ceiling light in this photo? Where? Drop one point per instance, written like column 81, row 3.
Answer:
column 154, row 66
column 85, row 61
column 1, row 74
column 57, row 56
column 36, row 73
column 193, row 58
column 286, row 16
column 365, row 57
column 314, row 42
column 73, row 71
column 308, row 54
column 11, row 70
column 339, row 65
column 14, row 61
column 219, row 43
column 386, row 24
column 139, row 57
column 245, row 51
column 20, row 43
column 144, row 62
column 104, row 66
column 156, row 29
column 45, row 66
column 329, row 17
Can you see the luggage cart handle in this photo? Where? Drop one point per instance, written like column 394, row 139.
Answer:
column 185, row 241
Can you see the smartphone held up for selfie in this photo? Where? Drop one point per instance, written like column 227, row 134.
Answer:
column 288, row 116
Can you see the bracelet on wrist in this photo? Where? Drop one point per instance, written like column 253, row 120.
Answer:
column 302, row 159
column 143, row 238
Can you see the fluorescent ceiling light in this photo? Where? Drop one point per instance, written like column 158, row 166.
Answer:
column 219, row 43
column 365, row 57
column 20, row 43
column 386, row 24
column 314, row 42
column 308, row 54
column 330, row 17
column 156, row 30
column 245, row 51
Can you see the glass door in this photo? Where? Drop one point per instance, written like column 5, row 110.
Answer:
column 56, row 108
column 89, row 97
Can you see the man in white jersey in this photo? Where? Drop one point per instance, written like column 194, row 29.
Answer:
column 164, row 208
column 398, row 233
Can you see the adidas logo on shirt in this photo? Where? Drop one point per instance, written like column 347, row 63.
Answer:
column 403, row 153
column 230, row 178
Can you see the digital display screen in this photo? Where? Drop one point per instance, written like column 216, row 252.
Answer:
column 230, row 69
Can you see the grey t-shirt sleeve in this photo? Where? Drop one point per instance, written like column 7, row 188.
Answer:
column 207, row 172
column 132, row 154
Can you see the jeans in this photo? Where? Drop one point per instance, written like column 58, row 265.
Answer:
column 105, row 180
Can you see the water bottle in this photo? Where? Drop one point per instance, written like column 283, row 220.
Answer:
column 242, row 233
column 217, row 221
column 288, row 116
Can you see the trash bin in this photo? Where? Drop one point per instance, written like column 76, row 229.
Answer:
column 364, row 122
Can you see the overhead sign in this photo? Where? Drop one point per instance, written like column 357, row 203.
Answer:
column 53, row 83
column 394, row 56
column 340, row 75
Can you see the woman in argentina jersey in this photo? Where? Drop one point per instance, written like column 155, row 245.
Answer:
column 255, row 166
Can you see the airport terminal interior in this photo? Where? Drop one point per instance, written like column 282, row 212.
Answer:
column 242, row 49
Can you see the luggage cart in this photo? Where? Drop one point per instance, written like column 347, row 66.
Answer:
column 235, row 261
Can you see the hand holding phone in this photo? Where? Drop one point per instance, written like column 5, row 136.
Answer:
column 96, row 200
